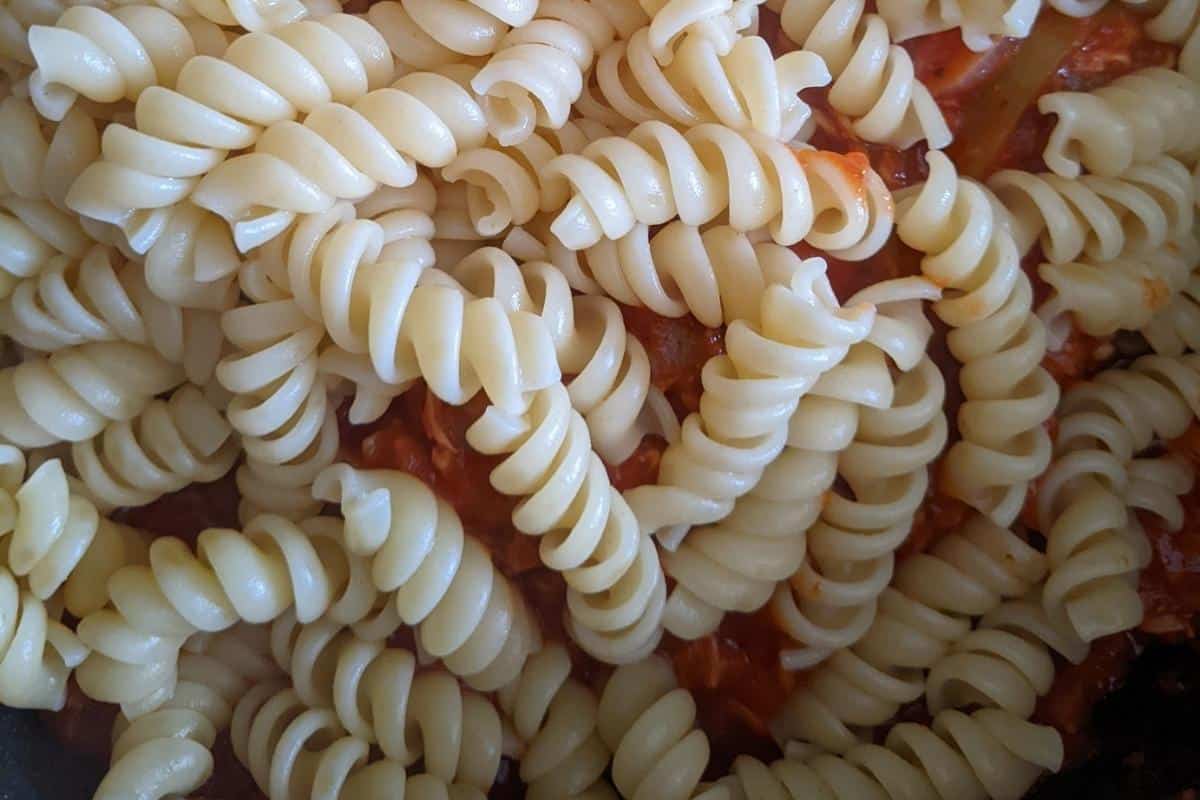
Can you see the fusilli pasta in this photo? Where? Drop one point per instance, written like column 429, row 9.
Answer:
column 427, row 34
column 37, row 652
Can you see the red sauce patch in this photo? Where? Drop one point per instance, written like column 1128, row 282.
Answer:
column 189, row 511
column 939, row 515
column 678, row 349
column 641, row 468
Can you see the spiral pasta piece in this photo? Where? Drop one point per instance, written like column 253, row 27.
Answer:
column 504, row 185
column 111, row 56
column 927, row 608
column 721, row 22
column 773, row 360
column 874, row 82
column 1176, row 22
column 835, row 203
column 73, row 394
column 555, row 719
column 251, row 15
column 742, row 86
column 37, row 652
column 649, row 724
column 1094, row 545
column 40, row 161
column 342, row 152
column 960, row 228
column 588, row 532
column 1128, row 293
column 428, row 34
column 168, row 751
column 980, row 24
column 1176, row 328
column 1135, row 119
column 466, row 612
column 986, row 754
column 254, row 575
column 171, row 444
column 70, row 303
column 379, row 697
column 1140, row 209
column 223, row 104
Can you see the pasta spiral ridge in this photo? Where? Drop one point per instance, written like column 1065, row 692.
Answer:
column 1094, row 546
column 1176, row 328
column 171, row 444
column 37, row 652
column 342, row 152
column 554, row 717
column 1135, row 119
column 250, row 15
column 835, row 203
column 110, row 56
column 1128, row 293
column 960, row 228
column 466, row 612
column 168, row 751
column 874, row 81
column 40, row 161
column 615, row 584
column 379, row 697
column 981, row 25
column 428, row 34
column 71, row 395
column 986, row 754
column 72, row 302
column 745, row 88
column 722, row 22
column 223, row 104
column 927, row 608
column 1176, row 22
column 253, row 575
column 773, row 360
column 504, row 185
column 1140, row 209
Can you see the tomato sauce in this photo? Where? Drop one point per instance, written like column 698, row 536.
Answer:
column 189, row 511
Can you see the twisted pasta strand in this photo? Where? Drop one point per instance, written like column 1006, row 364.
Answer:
column 555, row 717
column 980, row 23
column 960, row 228
column 468, row 614
column 1176, row 328
column 874, row 82
column 428, row 34
column 37, row 652
column 219, row 105
column 251, row 15
column 1176, row 22
column 168, row 751
column 926, row 609
column 111, row 56
column 1138, row 210
column 171, row 444
column 39, row 163
column 378, row 697
column 750, row 394
column 1135, row 119
column 720, row 22
column 836, row 203
column 254, row 575
column 342, row 152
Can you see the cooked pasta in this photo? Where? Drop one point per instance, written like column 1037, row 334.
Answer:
column 427, row 34
column 73, row 394
column 219, row 105
column 381, row 699
column 342, row 152
column 835, row 203
column 72, row 302
column 772, row 361
column 111, row 56
column 252, row 575
column 37, row 652
column 465, row 611
column 171, row 444
column 554, row 717
column 980, row 23
column 742, row 86
column 874, row 82
column 1176, row 22
column 960, row 228
column 1140, row 209
column 252, row 15
column 39, row 163
column 1176, row 328
column 1134, row 119
column 168, row 751
column 927, row 608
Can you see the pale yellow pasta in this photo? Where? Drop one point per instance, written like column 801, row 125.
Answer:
column 107, row 57
column 928, row 607
column 721, row 22
column 1135, row 119
column 253, row 575
column 835, row 203
column 443, row 581
column 251, row 15
column 773, row 360
column 223, row 104
column 37, row 652
column 378, row 697
column 39, row 162
column 874, row 82
column 427, row 34
column 1176, row 328
column 980, row 22
column 1176, row 22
